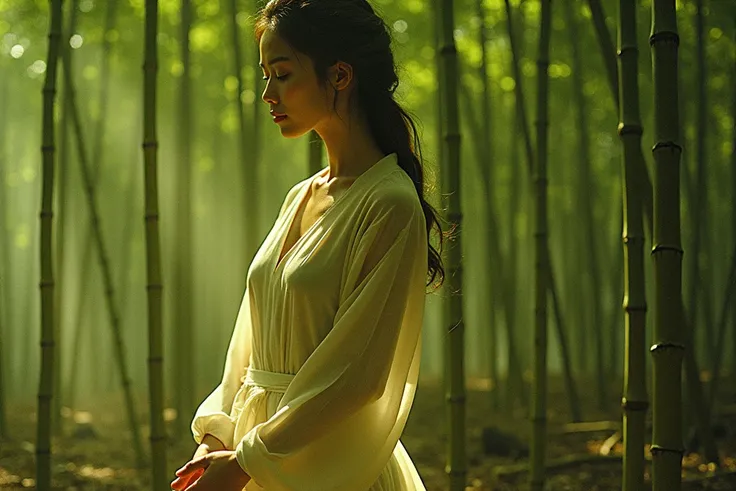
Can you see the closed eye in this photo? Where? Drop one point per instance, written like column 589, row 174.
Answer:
column 281, row 77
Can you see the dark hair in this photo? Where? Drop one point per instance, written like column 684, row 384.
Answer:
column 329, row 31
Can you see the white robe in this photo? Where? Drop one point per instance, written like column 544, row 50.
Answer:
column 323, row 362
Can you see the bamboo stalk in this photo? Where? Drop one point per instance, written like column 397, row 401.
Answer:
column 518, row 89
column 112, row 308
column 514, row 379
column 97, row 154
column 46, row 384
column 485, row 166
column 5, row 318
column 728, row 298
column 697, row 212
column 153, row 252
column 634, row 401
column 526, row 133
column 586, row 187
column 733, row 189
column 668, row 349
column 184, row 354
column 541, row 256
column 569, row 379
column 252, row 166
column 598, row 17
column 616, row 318
column 609, row 61
column 456, row 464
column 63, row 184
column 243, row 133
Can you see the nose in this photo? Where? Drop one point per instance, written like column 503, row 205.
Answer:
column 267, row 95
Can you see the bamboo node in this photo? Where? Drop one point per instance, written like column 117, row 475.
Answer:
column 149, row 144
column 667, row 144
column 633, row 239
column 46, row 214
column 629, row 405
column 155, row 359
column 667, row 247
column 624, row 49
column 455, row 398
column 657, row 449
column 48, row 148
column 47, row 344
column 630, row 129
column 154, row 286
column 46, row 283
column 664, row 36
column 666, row 346
column 630, row 307
column 452, row 472
column 151, row 215
column 448, row 49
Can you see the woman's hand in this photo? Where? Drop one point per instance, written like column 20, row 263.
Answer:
column 209, row 444
column 221, row 472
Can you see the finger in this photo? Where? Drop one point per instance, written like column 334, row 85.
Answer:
column 181, row 482
column 194, row 486
column 199, row 463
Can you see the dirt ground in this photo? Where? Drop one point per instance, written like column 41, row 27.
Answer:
column 105, row 461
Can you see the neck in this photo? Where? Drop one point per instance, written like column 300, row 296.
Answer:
column 351, row 147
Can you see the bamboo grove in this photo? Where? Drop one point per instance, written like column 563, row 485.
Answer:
column 582, row 156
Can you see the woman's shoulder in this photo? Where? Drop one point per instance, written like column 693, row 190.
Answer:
column 292, row 194
column 394, row 193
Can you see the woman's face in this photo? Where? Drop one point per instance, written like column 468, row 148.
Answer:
column 292, row 88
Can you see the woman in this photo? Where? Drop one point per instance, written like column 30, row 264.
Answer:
column 322, row 366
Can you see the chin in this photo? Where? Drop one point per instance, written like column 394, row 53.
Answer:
column 291, row 132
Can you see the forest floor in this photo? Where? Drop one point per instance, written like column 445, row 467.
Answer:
column 101, row 457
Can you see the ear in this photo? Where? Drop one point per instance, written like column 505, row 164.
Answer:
column 340, row 75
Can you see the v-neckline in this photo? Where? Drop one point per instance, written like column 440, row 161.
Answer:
column 303, row 193
column 281, row 258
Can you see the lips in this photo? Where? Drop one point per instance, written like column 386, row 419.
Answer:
column 277, row 116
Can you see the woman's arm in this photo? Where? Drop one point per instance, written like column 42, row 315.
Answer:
column 213, row 414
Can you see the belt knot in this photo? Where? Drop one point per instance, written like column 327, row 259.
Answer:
column 271, row 381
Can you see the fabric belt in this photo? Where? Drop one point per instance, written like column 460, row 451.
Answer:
column 272, row 381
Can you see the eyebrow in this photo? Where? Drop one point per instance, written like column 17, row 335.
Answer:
column 276, row 60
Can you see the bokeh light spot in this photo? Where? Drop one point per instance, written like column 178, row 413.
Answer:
column 400, row 26
column 17, row 51
column 76, row 41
